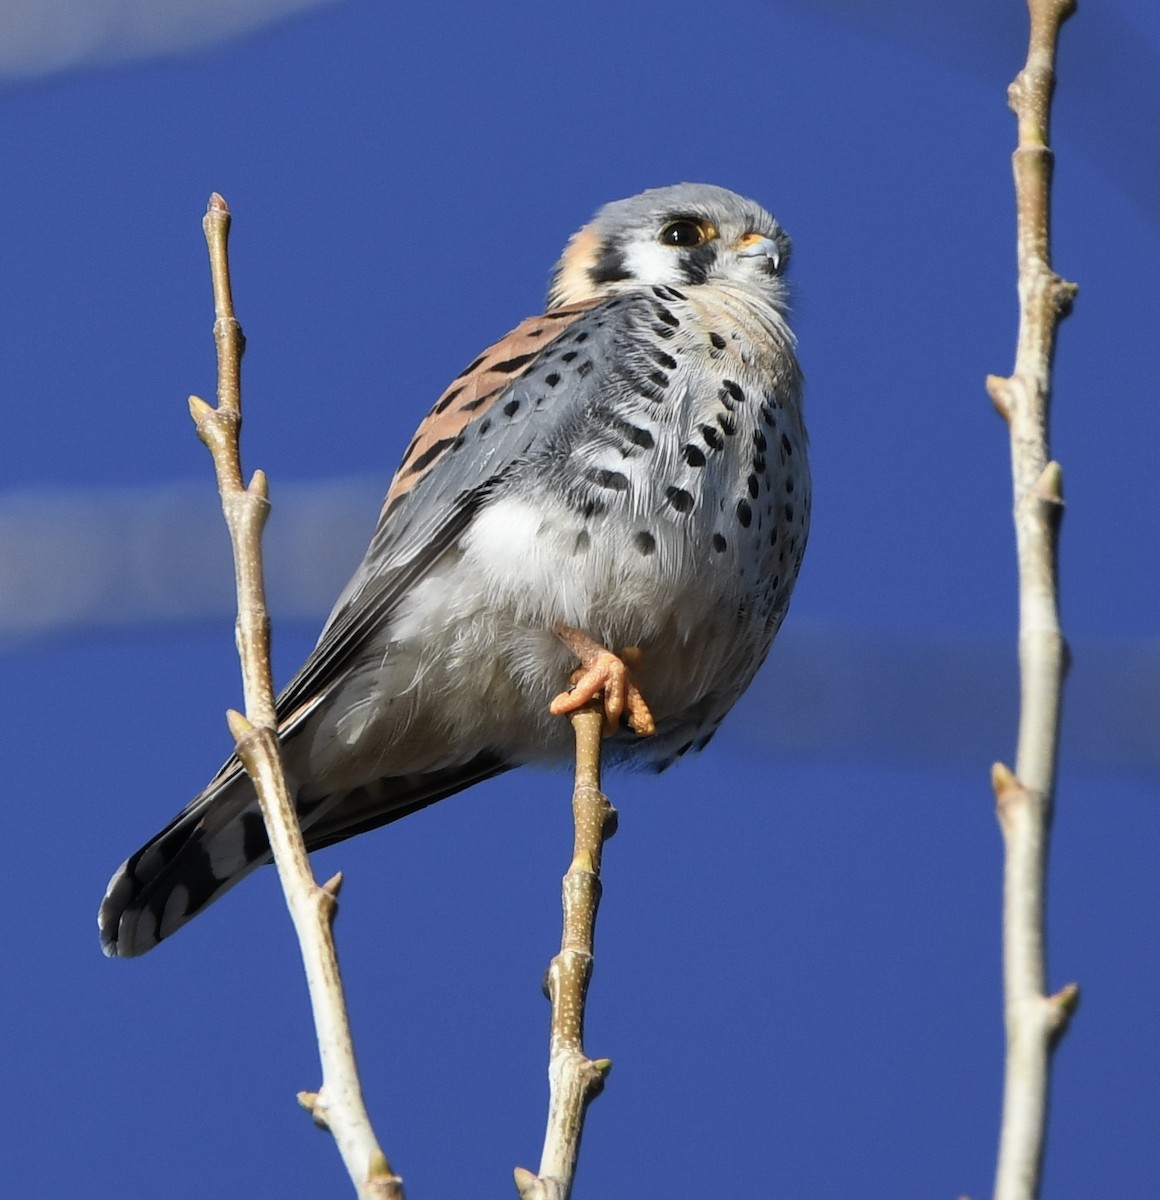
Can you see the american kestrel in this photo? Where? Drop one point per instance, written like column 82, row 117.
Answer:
column 625, row 473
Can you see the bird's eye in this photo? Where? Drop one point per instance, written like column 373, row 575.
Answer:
column 685, row 233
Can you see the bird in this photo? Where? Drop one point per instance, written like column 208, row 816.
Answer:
column 612, row 499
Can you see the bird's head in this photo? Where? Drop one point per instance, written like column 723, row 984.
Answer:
column 682, row 236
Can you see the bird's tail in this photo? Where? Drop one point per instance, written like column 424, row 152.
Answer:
column 220, row 838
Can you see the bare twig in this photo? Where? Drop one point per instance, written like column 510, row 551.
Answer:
column 1034, row 1020
column 574, row 1079
column 338, row 1105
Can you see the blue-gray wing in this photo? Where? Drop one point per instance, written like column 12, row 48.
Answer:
column 477, row 433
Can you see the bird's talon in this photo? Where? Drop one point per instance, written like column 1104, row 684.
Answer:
column 602, row 672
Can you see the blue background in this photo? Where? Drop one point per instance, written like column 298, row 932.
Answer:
column 798, row 960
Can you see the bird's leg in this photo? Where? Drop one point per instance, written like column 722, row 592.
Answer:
column 602, row 671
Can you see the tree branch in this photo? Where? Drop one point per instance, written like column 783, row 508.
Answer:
column 574, row 1079
column 338, row 1105
column 1034, row 1021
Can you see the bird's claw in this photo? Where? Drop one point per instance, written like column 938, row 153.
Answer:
column 601, row 671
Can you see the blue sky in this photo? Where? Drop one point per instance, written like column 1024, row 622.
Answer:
column 798, row 957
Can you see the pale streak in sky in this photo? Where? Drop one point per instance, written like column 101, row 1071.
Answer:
column 39, row 37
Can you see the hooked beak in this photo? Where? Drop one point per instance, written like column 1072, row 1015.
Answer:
column 756, row 245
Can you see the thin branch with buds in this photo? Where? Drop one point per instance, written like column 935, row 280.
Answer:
column 338, row 1104
column 574, row 1078
column 1034, row 1020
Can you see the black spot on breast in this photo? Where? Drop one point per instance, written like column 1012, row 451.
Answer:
column 645, row 542
column 759, row 462
column 581, row 337
column 667, row 317
column 659, row 378
column 713, row 439
column 744, row 513
column 719, row 543
column 786, row 445
column 513, row 364
column 730, row 388
column 614, row 481
column 585, row 368
column 663, row 331
column 789, row 486
column 593, row 508
column 581, row 543
column 681, row 500
column 569, row 356
column 664, row 359
column 552, row 379
column 759, row 442
column 752, row 484
column 667, row 293
column 717, row 340
column 484, row 426
column 511, row 408
column 788, row 510
column 633, row 434
column 728, row 424
column 693, row 455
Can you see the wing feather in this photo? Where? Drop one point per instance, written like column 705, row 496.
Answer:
column 418, row 524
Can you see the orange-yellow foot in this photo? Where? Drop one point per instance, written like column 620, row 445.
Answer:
column 601, row 671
